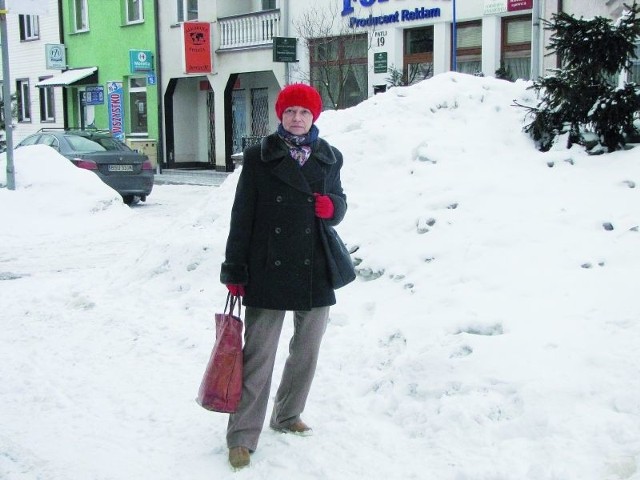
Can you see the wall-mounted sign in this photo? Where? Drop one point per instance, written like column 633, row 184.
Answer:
column 398, row 16
column 380, row 62
column 93, row 95
column 284, row 49
column 494, row 7
column 348, row 8
column 140, row 61
column 116, row 109
column 197, row 47
column 56, row 56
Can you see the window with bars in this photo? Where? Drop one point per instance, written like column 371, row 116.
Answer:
column 339, row 69
column 259, row 112
column 29, row 27
column 23, row 100
column 516, row 46
column 469, row 47
column 80, row 15
column 187, row 10
column 134, row 10
column 47, row 103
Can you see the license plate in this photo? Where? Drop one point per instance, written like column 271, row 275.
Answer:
column 121, row 168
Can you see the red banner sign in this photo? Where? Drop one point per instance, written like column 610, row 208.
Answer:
column 514, row 5
column 197, row 47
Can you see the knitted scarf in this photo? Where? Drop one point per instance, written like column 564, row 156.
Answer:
column 299, row 145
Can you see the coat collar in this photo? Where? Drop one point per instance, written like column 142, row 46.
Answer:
column 273, row 149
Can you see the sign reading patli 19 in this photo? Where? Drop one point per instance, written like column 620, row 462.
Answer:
column 197, row 47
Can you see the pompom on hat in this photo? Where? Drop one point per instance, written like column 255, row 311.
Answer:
column 299, row 95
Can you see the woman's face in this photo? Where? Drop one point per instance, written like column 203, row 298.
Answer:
column 297, row 120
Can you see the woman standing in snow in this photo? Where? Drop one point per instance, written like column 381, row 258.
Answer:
column 275, row 260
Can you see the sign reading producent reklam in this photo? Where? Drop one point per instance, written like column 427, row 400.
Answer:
column 284, row 49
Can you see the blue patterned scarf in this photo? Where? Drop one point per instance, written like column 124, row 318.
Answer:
column 299, row 145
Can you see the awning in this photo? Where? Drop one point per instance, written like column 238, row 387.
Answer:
column 70, row 77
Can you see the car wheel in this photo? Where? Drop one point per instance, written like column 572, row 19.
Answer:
column 128, row 199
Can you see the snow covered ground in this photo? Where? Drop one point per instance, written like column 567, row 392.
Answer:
column 492, row 332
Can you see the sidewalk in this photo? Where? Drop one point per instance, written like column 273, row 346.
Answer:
column 190, row 177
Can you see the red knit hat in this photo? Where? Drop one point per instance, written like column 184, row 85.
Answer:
column 299, row 95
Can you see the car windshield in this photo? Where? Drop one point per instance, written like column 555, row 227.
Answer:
column 84, row 145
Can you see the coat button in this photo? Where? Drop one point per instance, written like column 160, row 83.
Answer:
column 279, row 198
column 277, row 263
column 278, row 230
column 310, row 199
column 307, row 231
column 307, row 261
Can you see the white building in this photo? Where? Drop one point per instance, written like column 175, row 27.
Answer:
column 28, row 37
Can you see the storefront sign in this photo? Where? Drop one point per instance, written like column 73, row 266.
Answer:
column 397, row 17
column 116, row 109
column 284, row 49
column 56, row 56
column 380, row 62
column 93, row 95
column 140, row 61
column 494, row 7
column 348, row 9
column 197, row 47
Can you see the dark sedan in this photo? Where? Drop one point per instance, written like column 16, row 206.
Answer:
column 126, row 171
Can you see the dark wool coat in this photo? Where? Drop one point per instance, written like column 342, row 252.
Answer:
column 274, row 248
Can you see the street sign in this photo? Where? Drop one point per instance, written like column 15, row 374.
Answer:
column 284, row 49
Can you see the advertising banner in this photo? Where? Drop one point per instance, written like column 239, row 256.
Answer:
column 197, row 47
column 494, row 7
column 116, row 109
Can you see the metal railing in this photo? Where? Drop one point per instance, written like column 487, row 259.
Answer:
column 249, row 30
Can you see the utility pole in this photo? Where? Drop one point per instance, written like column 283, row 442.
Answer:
column 454, row 34
column 6, row 95
column 535, row 40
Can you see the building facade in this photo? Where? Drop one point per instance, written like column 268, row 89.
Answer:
column 192, row 82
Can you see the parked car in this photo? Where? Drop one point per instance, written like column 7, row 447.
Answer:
column 126, row 171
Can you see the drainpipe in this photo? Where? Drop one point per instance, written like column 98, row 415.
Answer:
column 285, row 32
column 160, row 144
column 6, row 94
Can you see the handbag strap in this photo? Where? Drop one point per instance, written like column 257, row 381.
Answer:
column 232, row 301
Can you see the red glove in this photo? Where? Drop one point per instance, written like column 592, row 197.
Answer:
column 236, row 290
column 324, row 206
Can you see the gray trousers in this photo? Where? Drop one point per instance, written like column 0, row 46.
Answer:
column 261, row 337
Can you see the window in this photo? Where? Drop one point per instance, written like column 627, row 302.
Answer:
column 469, row 47
column 80, row 16
column 634, row 71
column 259, row 111
column 24, row 100
column 134, row 11
column 187, row 10
column 268, row 4
column 29, row 27
column 516, row 46
column 418, row 54
column 339, row 69
column 138, row 105
column 47, row 102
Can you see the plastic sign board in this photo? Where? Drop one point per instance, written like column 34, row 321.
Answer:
column 140, row 61
column 284, row 49
column 94, row 95
column 380, row 62
column 56, row 56
column 494, row 7
column 116, row 109
column 197, row 47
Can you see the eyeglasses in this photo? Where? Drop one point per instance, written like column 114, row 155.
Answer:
column 303, row 112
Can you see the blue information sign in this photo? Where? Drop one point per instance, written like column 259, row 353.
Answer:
column 94, row 95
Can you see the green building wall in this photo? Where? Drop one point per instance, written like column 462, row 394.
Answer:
column 106, row 45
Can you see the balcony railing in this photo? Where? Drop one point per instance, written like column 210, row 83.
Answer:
column 249, row 30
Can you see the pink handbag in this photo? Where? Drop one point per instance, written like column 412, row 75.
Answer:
column 221, row 386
